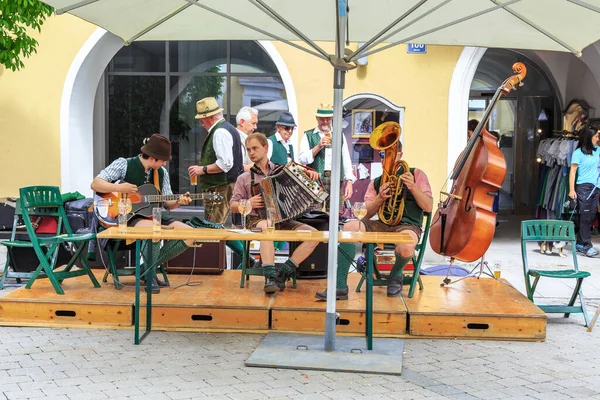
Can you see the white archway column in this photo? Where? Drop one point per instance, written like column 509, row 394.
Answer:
column 77, row 110
column 458, row 101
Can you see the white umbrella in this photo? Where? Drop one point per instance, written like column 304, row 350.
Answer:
column 560, row 25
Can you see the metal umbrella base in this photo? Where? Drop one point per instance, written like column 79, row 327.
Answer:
column 296, row 351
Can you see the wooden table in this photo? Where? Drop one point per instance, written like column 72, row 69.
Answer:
column 140, row 234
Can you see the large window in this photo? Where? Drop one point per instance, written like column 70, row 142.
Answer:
column 153, row 87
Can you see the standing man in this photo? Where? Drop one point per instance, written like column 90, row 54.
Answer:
column 148, row 167
column 247, row 121
column 220, row 160
column 257, row 147
column 315, row 152
column 281, row 150
column 418, row 199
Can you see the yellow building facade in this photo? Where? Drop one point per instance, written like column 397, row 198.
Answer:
column 47, row 109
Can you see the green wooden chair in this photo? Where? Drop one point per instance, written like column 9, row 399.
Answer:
column 552, row 230
column 417, row 259
column 47, row 201
column 11, row 245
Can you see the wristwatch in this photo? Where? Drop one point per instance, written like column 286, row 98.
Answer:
column 205, row 169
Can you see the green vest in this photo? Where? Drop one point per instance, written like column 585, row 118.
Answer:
column 209, row 157
column 279, row 155
column 136, row 174
column 413, row 214
column 318, row 163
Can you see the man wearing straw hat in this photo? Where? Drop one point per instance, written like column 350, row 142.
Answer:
column 220, row 160
column 315, row 152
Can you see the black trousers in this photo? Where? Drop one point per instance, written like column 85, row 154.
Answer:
column 587, row 206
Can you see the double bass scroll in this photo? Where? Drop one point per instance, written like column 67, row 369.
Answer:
column 464, row 223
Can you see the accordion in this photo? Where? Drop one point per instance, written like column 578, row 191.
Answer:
column 290, row 191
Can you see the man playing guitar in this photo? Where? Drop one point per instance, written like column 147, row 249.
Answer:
column 148, row 167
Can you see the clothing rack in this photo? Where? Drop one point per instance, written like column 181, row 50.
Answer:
column 554, row 154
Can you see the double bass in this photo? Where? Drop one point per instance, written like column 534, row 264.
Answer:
column 464, row 223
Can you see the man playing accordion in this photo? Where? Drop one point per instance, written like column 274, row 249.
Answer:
column 257, row 147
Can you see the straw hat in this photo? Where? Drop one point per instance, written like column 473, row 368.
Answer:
column 324, row 110
column 207, row 107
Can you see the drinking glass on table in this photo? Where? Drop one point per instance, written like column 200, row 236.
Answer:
column 359, row 209
column 270, row 219
column 124, row 209
column 156, row 219
column 244, row 207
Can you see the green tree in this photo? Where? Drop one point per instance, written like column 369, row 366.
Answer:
column 17, row 17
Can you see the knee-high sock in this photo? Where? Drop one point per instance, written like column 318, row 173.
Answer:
column 346, row 252
column 237, row 246
column 399, row 264
column 269, row 271
column 171, row 249
column 146, row 253
column 287, row 269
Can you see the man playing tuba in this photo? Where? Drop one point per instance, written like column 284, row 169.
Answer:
column 409, row 190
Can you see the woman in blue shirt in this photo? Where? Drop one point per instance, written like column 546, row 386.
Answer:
column 584, row 166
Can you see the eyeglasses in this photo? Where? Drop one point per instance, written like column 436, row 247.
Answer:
column 287, row 128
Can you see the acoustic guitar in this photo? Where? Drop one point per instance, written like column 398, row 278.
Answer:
column 106, row 205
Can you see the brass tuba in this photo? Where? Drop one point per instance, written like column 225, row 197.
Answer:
column 385, row 137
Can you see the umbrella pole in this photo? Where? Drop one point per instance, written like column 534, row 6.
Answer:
column 334, row 207
column 339, row 81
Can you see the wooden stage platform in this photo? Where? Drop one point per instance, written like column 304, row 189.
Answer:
column 473, row 308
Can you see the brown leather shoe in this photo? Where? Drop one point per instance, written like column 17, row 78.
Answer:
column 340, row 294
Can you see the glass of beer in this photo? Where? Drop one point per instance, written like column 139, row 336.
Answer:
column 270, row 219
column 359, row 209
column 327, row 133
column 193, row 180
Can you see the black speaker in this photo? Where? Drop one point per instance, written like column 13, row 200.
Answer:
column 315, row 265
column 206, row 257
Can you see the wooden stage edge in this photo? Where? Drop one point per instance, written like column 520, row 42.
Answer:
column 471, row 309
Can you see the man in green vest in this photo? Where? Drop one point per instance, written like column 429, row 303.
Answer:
column 220, row 161
column 281, row 150
column 315, row 152
column 124, row 175
column 418, row 199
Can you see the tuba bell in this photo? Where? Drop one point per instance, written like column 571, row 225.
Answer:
column 385, row 138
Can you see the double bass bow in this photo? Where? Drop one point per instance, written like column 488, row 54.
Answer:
column 464, row 223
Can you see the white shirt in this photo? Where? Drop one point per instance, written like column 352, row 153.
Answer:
column 306, row 157
column 245, row 158
column 283, row 142
column 223, row 145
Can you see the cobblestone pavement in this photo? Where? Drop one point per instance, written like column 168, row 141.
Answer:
column 100, row 364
